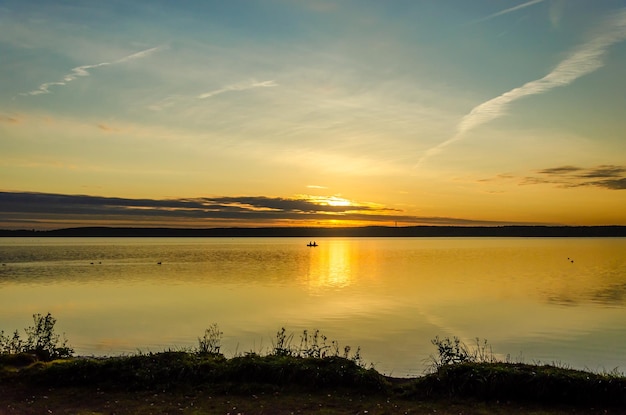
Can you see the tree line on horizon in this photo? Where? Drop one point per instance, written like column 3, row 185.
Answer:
column 318, row 232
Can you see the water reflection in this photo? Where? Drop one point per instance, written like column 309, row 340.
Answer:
column 614, row 295
column 389, row 296
column 330, row 265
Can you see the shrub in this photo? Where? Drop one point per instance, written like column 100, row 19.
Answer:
column 454, row 351
column 41, row 340
column 210, row 343
column 11, row 345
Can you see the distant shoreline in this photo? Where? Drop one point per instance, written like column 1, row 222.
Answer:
column 314, row 232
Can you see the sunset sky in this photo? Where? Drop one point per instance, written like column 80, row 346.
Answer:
column 312, row 113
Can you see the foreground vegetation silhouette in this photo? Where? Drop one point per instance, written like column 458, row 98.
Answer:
column 310, row 365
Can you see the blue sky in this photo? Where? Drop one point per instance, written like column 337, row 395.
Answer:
column 417, row 111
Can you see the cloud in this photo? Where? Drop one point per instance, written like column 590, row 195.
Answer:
column 560, row 170
column 209, row 207
column 509, row 10
column 173, row 100
column 47, row 209
column 605, row 176
column 9, row 119
column 84, row 71
column 584, row 60
column 604, row 172
column 556, row 12
column 609, row 177
column 107, row 128
column 498, row 177
column 43, row 88
column 238, row 87
column 165, row 103
column 612, row 184
column 138, row 55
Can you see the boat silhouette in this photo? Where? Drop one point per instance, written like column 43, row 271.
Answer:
column 312, row 244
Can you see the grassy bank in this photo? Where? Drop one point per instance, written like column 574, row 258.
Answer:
column 312, row 376
column 192, row 383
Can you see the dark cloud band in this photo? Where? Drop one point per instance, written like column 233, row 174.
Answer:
column 604, row 176
column 27, row 207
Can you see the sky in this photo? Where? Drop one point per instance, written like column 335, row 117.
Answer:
column 312, row 113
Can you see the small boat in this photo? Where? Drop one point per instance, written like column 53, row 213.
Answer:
column 312, row 244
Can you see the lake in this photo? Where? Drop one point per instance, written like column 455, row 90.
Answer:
column 536, row 300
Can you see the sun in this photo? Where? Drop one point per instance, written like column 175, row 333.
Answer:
column 334, row 201
column 337, row 201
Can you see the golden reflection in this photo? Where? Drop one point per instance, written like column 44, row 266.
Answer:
column 330, row 265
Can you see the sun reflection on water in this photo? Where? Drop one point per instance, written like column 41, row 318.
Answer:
column 330, row 266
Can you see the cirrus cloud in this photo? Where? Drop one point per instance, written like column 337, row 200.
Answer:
column 583, row 60
column 83, row 70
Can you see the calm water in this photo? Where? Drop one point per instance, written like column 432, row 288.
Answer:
column 390, row 296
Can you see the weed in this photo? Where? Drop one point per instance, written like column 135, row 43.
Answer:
column 313, row 345
column 282, row 347
column 453, row 351
column 210, row 343
column 41, row 340
column 11, row 345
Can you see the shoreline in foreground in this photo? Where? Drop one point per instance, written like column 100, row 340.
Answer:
column 194, row 383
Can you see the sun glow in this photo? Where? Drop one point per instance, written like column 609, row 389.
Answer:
column 338, row 201
column 330, row 201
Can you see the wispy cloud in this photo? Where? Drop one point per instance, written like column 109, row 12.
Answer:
column 509, row 10
column 238, row 87
column 84, row 71
column 166, row 102
column 584, row 60
column 107, row 128
column 557, row 8
column 560, row 170
column 173, row 100
column 606, row 176
column 9, row 119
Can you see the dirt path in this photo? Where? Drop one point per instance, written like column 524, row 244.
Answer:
column 84, row 401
